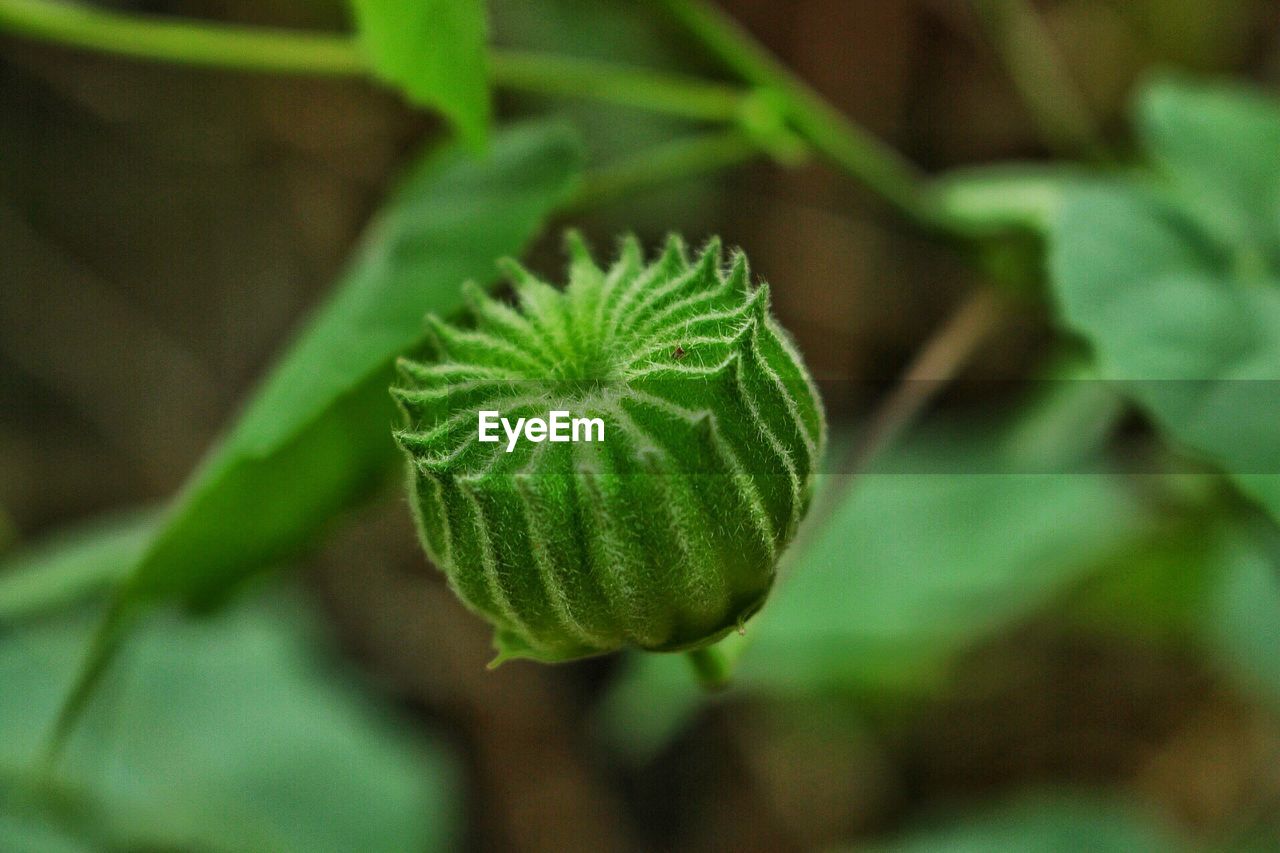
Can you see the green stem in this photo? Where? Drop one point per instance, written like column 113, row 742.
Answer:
column 711, row 667
column 191, row 43
column 672, row 161
column 262, row 49
column 673, row 94
column 280, row 51
column 849, row 146
column 112, row 631
column 1034, row 64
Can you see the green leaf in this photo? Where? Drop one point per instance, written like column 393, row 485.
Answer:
column 72, row 565
column 434, row 51
column 951, row 541
column 1241, row 618
column 217, row 734
column 1196, row 346
column 1218, row 144
column 914, row 567
column 316, row 436
column 1045, row 823
column 1177, row 285
column 1155, row 589
column 1209, row 580
column 27, row 830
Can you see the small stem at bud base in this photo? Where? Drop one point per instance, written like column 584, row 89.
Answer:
column 712, row 667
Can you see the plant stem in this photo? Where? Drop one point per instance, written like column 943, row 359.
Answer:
column 672, row 161
column 853, row 149
column 711, row 667
column 281, row 51
column 932, row 368
column 1034, row 64
column 188, row 42
column 110, row 636
column 264, row 49
column 673, row 94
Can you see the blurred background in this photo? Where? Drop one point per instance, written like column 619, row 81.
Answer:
column 163, row 230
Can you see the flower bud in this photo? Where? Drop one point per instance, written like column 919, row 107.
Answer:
column 658, row 523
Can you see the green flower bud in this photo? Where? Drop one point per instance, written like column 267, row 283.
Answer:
column 661, row 526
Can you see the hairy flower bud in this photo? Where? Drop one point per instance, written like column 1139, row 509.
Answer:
column 663, row 534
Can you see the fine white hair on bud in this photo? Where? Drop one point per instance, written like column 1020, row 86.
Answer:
column 618, row 463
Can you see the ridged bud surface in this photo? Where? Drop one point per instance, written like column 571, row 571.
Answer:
column 666, row 534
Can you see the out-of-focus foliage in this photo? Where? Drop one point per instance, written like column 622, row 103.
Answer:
column 993, row 199
column 1241, row 616
column 1056, row 823
column 434, row 50
column 1207, row 583
column 314, row 439
column 64, row 569
column 1156, row 587
column 315, row 436
column 22, row 831
column 965, row 531
column 1217, row 145
column 950, row 539
column 222, row 734
column 612, row 134
column 1176, row 283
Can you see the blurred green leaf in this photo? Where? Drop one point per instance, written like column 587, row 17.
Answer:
column 226, row 733
column 1209, row 582
column 316, row 435
column 1179, row 291
column 70, row 566
column 1241, row 619
column 914, row 567
column 1061, row 823
column 653, row 699
column 1154, row 589
column 1219, row 144
column 951, row 539
column 434, row 51
column 24, row 832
